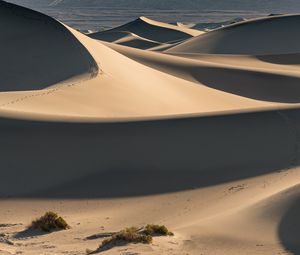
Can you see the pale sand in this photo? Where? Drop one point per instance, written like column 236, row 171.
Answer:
column 263, row 36
column 111, row 136
column 145, row 33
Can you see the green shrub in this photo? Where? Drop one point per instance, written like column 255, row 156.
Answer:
column 49, row 222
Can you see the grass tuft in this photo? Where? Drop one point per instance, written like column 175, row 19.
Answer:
column 133, row 235
column 126, row 236
column 49, row 222
column 157, row 230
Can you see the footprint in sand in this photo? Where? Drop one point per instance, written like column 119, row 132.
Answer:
column 237, row 188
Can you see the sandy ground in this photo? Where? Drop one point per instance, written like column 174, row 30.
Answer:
column 150, row 123
column 256, row 215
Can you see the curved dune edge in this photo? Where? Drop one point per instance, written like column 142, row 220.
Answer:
column 175, row 87
column 186, row 30
column 128, row 34
column 37, row 51
column 145, row 30
column 248, row 76
column 263, row 36
column 263, row 222
column 127, row 39
column 265, row 206
column 120, row 93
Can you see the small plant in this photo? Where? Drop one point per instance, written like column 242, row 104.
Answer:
column 49, row 222
column 157, row 230
column 133, row 235
column 128, row 235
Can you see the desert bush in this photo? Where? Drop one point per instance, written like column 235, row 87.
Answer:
column 49, row 222
column 157, row 230
column 133, row 235
column 128, row 235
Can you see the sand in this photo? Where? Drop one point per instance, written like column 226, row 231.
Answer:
column 150, row 123
column 144, row 33
column 263, row 36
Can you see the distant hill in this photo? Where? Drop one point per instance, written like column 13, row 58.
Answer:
column 262, row 5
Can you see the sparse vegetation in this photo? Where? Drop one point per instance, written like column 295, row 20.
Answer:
column 133, row 235
column 157, row 230
column 128, row 235
column 49, row 222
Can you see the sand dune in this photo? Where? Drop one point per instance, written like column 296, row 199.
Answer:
column 240, row 75
column 120, row 92
column 140, row 145
column 144, row 33
column 264, row 36
column 38, row 51
column 126, row 39
column 203, row 137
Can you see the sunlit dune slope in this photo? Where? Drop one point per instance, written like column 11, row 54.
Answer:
column 152, row 30
column 264, row 36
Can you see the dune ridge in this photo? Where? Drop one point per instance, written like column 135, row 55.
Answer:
column 126, row 39
column 253, row 37
column 203, row 137
column 144, row 33
column 36, row 51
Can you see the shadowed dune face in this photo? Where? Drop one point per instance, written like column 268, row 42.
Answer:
column 289, row 227
column 259, row 85
column 283, row 59
column 139, row 44
column 281, row 209
column 251, row 84
column 109, row 36
column 125, row 38
column 80, row 160
column 37, row 51
column 146, row 30
column 252, row 37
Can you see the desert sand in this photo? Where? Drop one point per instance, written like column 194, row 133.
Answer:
column 150, row 123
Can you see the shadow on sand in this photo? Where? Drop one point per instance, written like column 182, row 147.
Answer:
column 28, row 233
column 289, row 228
column 256, row 85
column 114, row 184
column 104, row 160
column 283, row 59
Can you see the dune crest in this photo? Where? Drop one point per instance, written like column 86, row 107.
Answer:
column 263, row 36
column 144, row 33
column 38, row 51
column 126, row 39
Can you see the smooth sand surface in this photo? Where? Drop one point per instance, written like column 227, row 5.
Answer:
column 37, row 51
column 127, row 39
column 144, row 33
column 263, row 36
column 110, row 136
